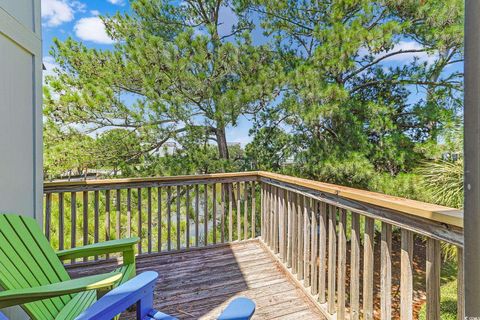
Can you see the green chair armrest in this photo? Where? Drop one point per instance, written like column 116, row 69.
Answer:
column 112, row 246
column 21, row 296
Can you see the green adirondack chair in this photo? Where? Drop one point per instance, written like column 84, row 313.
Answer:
column 33, row 276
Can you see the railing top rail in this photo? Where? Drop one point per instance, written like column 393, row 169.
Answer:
column 429, row 211
column 446, row 215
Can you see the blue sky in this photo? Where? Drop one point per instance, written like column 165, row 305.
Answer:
column 79, row 19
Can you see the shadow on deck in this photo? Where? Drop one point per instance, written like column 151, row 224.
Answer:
column 198, row 284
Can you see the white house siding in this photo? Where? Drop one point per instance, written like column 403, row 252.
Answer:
column 20, row 112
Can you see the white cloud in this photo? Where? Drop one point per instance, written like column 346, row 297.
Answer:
column 57, row 12
column 95, row 12
column 117, row 2
column 92, row 29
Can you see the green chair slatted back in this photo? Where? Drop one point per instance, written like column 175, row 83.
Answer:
column 27, row 260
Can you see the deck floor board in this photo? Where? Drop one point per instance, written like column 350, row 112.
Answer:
column 199, row 284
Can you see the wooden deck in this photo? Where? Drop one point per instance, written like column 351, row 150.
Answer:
column 199, row 284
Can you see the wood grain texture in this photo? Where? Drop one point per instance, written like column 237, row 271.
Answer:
column 460, row 286
column 368, row 261
column 406, row 276
column 342, row 264
column 433, row 279
column 332, row 256
column 322, row 253
column 386, row 272
column 355, row 267
column 199, row 284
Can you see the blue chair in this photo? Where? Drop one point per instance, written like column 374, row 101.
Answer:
column 139, row 291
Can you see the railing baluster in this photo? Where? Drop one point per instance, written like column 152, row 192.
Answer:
column 96, row 218
column 222, row 207
column 332, row 255
column 268, row 216
column 118, row 203
column 300, row 224
column 342, row 263
column 149, row 219
column 139, row 211
column 253, row 197
column 61, row 221
column 205, row 215
column 306, row 241
column 159, row 219
column 368, row 259
column 281, row 225
column 85, row 220
column 276, row 219
column 245, row 212
column 178, row 218
column 73, row 222
column 169, row 218
column 230, row 213
column 288, row 195
column 214, row 213
column 460, row 286
column 187, row 217
column 197, row 214
column 129, row 212
column 314, row 247
column 239, row 212
column 322, row 253
column 295, row 235
column 48, row 214
column 433, row 279
column 406, row 276
column 107, row 217
column 355, row 267
column 386, row 272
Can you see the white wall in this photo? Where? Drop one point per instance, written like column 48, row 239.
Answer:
column 20, row 110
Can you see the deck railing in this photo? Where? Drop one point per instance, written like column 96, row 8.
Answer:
column 323, row 235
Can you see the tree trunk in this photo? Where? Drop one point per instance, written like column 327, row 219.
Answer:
column 222, row 143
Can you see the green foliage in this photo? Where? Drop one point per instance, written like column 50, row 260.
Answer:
column 172, row 76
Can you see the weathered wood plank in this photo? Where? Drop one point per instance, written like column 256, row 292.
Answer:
column 239, row 211
column 245, row 212
column 85, row 219
column 223, row 213
column 169, row 218
column 96, row 219
column 107, row 217
column 177, row 209
column 197, row 215
column 73, row 221
column 214, row 213
column 159, row 219
column 368, row 268
column 254, row 214
column 306, row 241
column 118, row 222
column 433, row 279
column 355, row 267
column 289, row 229
column 187, row 217
column 149, row 219
column 460, row 286
column 342, row 264
column 61, row 221
column 300, row 224
column 282, row 226
column 205, row 215
column 322, row 253
column 314, row 247
column 406, row 276
column 230, row 213
column 386, row 272
column 332, row 255
column 129, row 212
column 139, row 219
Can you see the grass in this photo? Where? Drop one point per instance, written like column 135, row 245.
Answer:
column 448, row 293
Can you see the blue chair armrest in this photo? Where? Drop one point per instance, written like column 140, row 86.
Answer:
column 138, row 290
column 238, row 309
